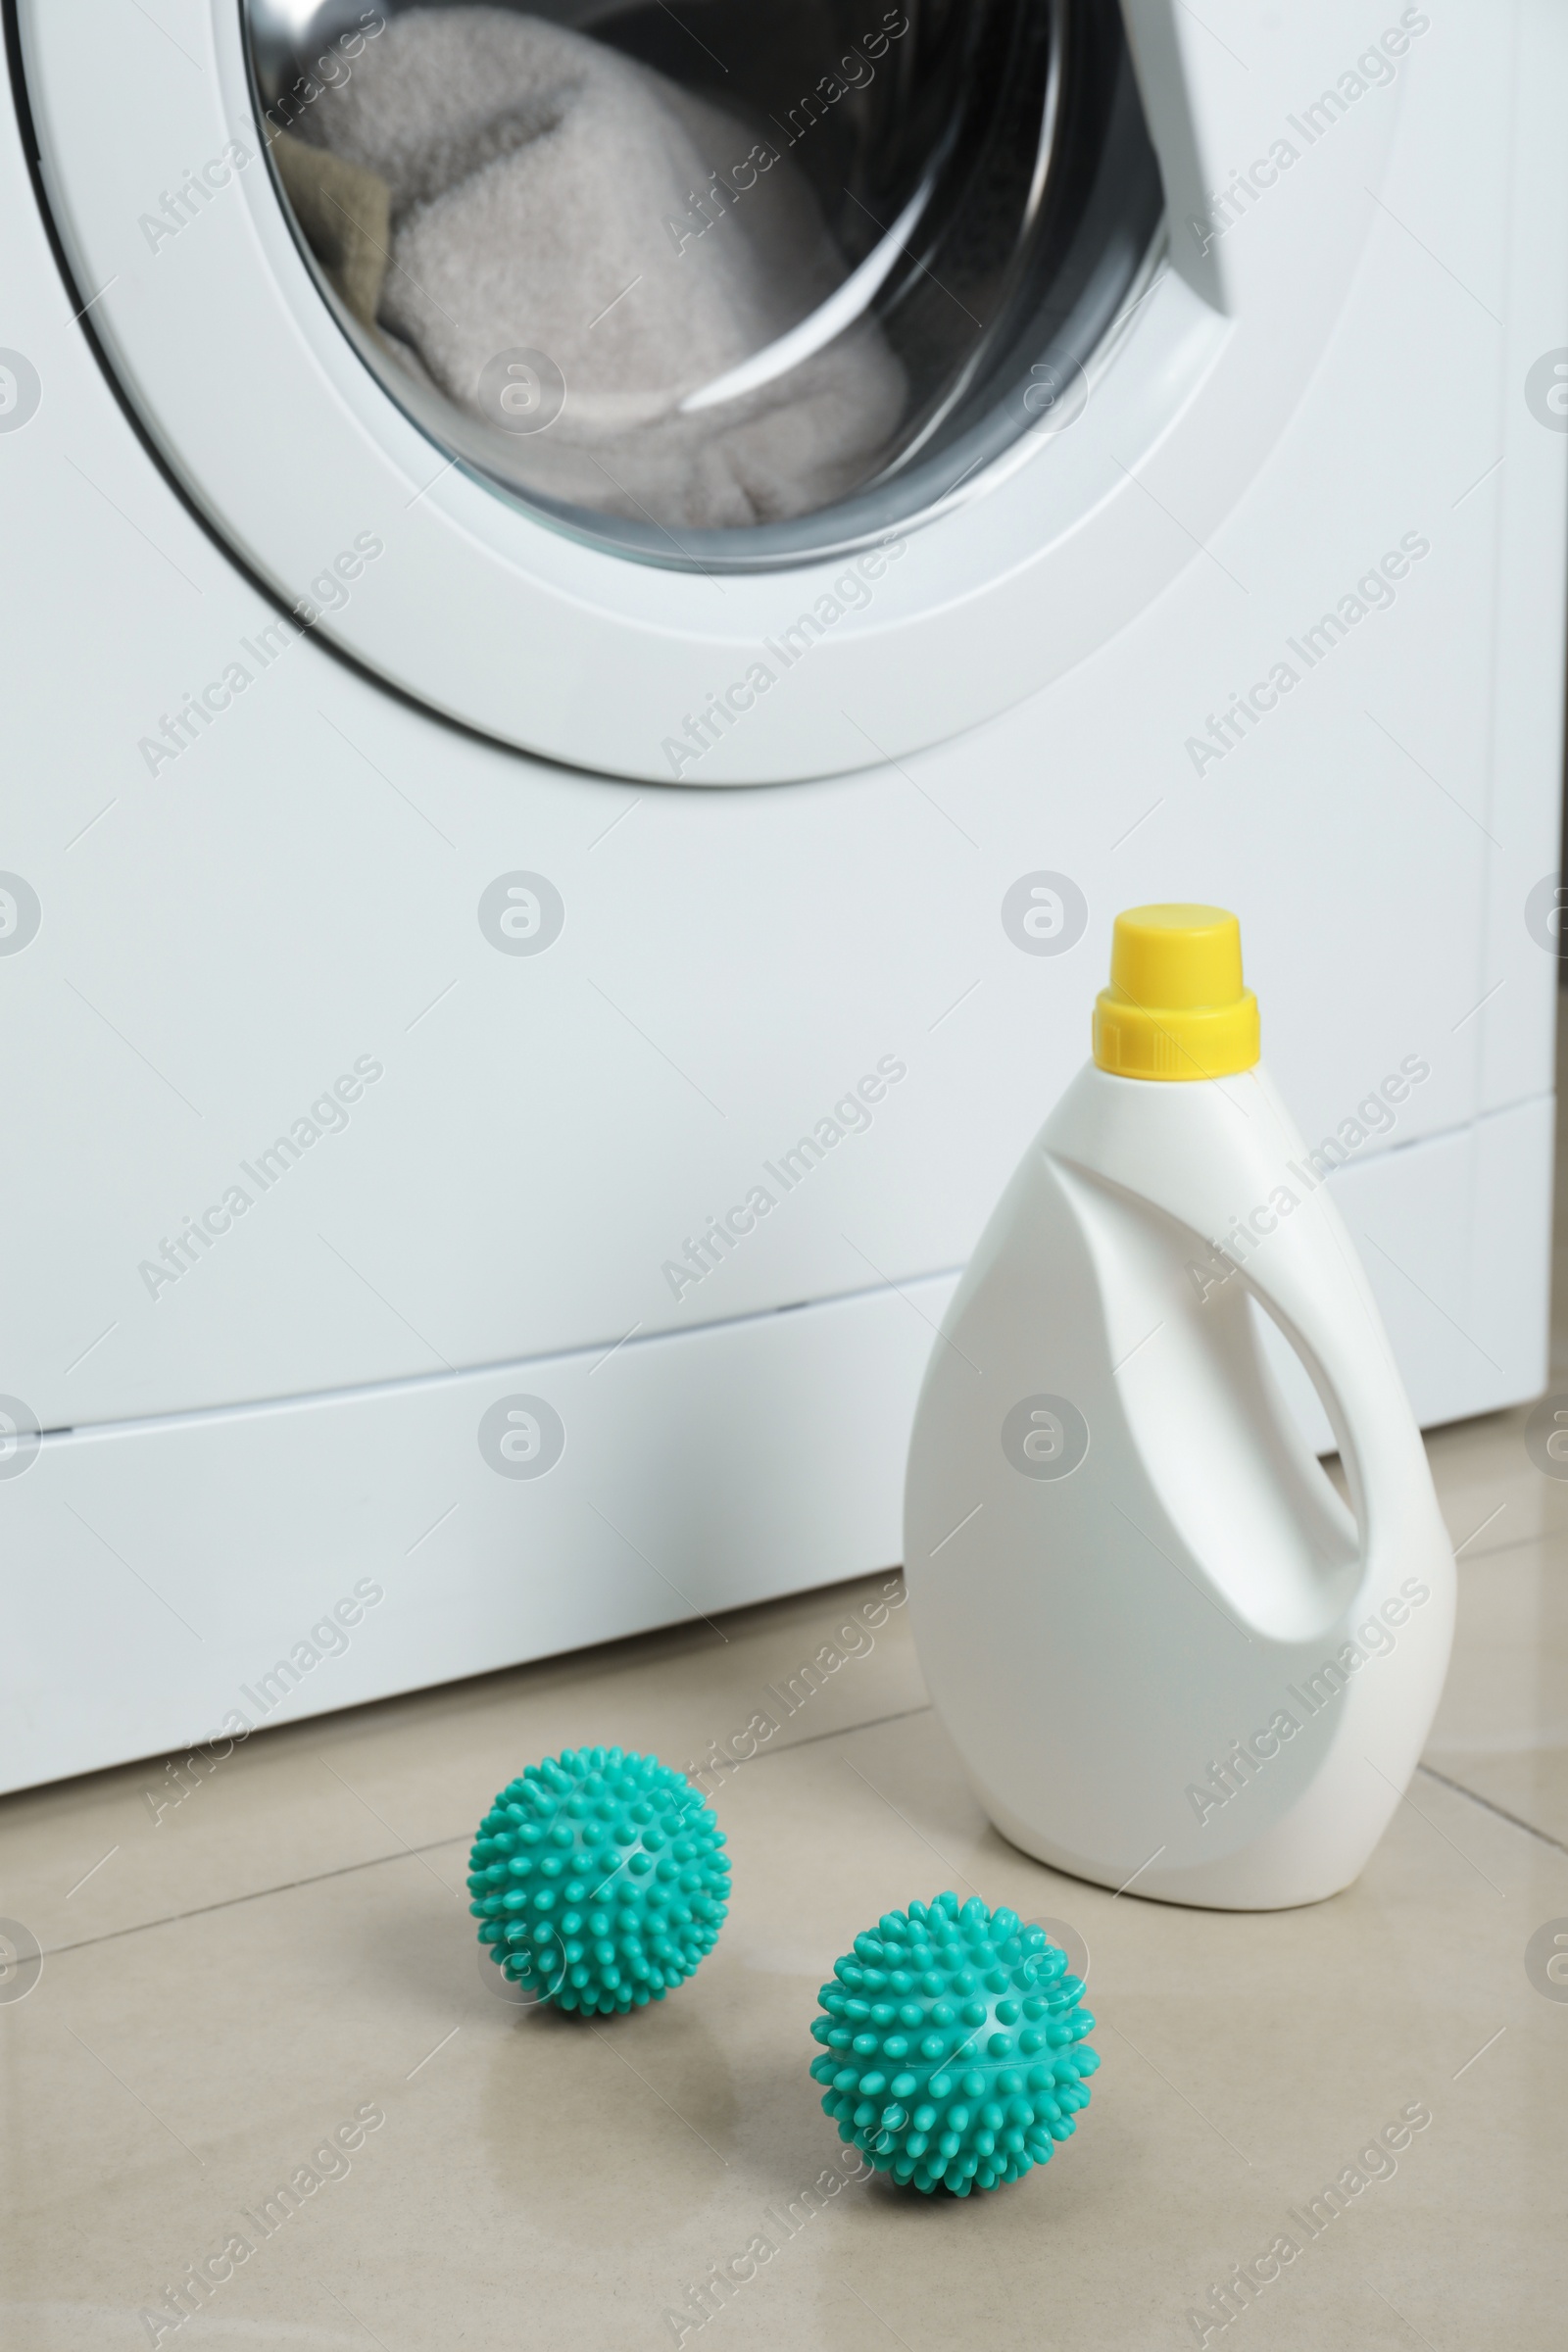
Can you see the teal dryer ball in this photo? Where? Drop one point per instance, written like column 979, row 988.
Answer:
column 953, row 2051
column 598, row 1879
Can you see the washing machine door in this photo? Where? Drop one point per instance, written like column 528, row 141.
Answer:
column 731, row 393
column 738, row 288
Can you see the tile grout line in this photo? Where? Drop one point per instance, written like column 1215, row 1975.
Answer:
column 810, row 1739
column 841, row 1731
column 1493, row 1551
column 254, row 1894
column 1475, row 1798
column 321, row 1877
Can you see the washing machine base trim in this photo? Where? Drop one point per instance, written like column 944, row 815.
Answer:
column 213, row 1573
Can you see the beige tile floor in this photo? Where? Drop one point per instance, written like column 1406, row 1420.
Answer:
column 288, row 1951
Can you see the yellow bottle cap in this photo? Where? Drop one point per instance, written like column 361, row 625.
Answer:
column 1176, row 1006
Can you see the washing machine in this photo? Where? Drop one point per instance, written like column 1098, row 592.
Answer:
column 602, row 604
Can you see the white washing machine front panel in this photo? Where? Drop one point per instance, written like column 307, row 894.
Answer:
column 502, row 1167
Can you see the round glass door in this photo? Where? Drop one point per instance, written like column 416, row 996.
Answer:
column 718, row 283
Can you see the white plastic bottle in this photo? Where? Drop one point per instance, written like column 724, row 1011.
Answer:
column 1169, row 1656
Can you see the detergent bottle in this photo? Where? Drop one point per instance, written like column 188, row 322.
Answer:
column 1171, row 1659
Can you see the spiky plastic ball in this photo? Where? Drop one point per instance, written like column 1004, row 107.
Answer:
column 598, row 1879
column 954, row 2046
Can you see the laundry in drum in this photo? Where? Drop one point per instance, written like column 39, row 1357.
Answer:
column 552, row 195
column 345, row 213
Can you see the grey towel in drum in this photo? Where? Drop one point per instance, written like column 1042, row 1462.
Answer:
column 542, row 188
